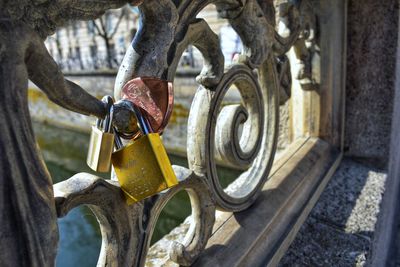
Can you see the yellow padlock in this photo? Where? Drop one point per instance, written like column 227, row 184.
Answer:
column 143, row 168
column 101, row 143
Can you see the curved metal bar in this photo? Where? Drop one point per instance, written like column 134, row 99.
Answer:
column 203, row 217
column 148, row 54
column 259, row 136
column 254, row 30
column 203, row 38
column 119, row 223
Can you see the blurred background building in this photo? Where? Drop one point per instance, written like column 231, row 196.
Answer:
column 101, row 44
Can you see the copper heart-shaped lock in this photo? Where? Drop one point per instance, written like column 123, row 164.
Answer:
column 155, row 97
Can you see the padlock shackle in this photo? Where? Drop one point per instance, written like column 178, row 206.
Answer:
column 99, row 123
column 107, row 127
column 143, row 123
column 117, row 140
column 108, row 121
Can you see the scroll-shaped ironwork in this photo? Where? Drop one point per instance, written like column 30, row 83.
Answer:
column 168, row 27
column 213, row 128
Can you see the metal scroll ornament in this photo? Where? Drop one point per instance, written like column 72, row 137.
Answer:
column 213, row 129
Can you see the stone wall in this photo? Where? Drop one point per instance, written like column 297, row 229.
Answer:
column 371, row 57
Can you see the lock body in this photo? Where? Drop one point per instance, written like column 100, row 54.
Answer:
column 101, row 146
column 143, row 168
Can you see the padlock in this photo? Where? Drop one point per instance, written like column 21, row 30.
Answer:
column 142, row 167
column 101, row 144
column 154, row 96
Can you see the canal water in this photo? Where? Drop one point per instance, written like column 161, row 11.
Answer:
column 80, row 239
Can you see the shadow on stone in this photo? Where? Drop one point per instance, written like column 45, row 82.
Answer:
column 340, row 228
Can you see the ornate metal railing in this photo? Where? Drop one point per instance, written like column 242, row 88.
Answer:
column 260, row 75
column 168, row 28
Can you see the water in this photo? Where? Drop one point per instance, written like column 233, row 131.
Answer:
column 80, row 239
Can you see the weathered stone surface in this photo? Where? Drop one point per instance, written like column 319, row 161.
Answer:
column 326, row 245
column 386, row 249
column 372, row 42
column 340, row 228
column 284, row 126
column 352, row 198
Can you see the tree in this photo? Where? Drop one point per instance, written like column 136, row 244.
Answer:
column 106, row 29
